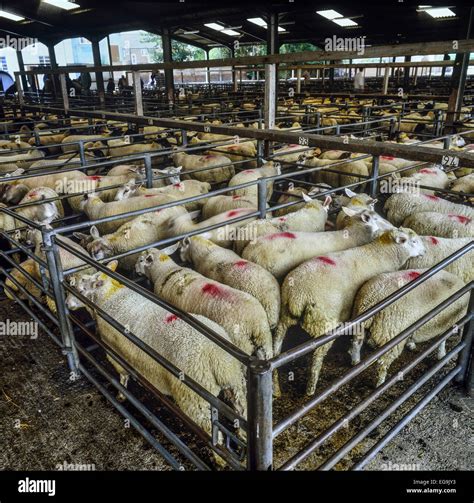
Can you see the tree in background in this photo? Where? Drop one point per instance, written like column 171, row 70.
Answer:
column 181, row 51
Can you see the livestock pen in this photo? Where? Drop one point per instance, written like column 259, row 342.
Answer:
column 257, row 440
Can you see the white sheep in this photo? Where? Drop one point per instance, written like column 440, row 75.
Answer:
column 243, row 152
column 180, row 190
column 140, row 174
column 391, row 321
column 311, row 217
column 198, row 167
column 465, row 184
column 281, row 252
column 438, row 224
column 183, row 346
column 141, row 231
column 223, row 236
column 9, row 163
column 250, row 175
column 358, row 167
column 227, row 267
column 241, row 315
column 294, row 194
column 220, row 204
column 355, row 202
column 320, row 292
column 400, row 206
column 95, row 208
column 437, row 249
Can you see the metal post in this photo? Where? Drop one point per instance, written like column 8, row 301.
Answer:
column 137, row 88
column 406, row 76
column 466, row 357
column 82, row 153
column 56, row 279
column 260, row 152
column 64, row 92
column 99, row 77
column 109, row 49
column 375, row 174
column 19, row 90
column 168, row 58
column 262, row 197
column 298, row 80
column 385, row 80
column 259, row 417
column 270, row 95
column 21, row 66
column 148, row 171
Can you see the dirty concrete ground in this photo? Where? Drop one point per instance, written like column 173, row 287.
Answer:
column 47, row 420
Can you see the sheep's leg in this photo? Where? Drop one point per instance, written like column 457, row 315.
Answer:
column 384, row 362
column 317, row 362
column 441, row 350
column 411, row 345
column 124, row 377
column 282, row 328
column 354, row 351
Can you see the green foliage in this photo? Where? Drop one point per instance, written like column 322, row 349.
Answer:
column 181, row 51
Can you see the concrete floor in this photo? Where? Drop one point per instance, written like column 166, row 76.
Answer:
column 47, row 420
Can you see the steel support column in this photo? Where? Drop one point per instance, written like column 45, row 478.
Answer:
column 168, row 58
column 99, row 76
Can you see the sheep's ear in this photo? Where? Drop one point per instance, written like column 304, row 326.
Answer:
column 349, row 211
column 194, row 214
column 327, row 202
column 186, row 241
column 170, row 249
column 372, row 202
column 112, row 265
column 350, row 193
column 305, row 197
column 80, row 235
column 178, row 169
column 95, row 232
column 401, row 238
column 365, row 216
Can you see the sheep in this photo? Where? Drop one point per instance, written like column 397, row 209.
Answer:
column 95, row 208
column 227, row 267
column 391, row 321
column 140, row 173
column 312, row 217
column 223, row 236
column 141, row 231
column 400, row 206
column 128, row 149
column 249, row 175
column 358, row 167
column 322, row 309
column 71, row 143
column 185, row 347
column 437, row 249
column 180, row 190
column 239, row 314
column 220, row 204
column 355, row 202
column 431, row 177
column 293, row 153
column 465, row 185
column 281, row 252
column 9, row 163
column 439, row 224
column 198, row 167
column 30, row 267
column 243, row 152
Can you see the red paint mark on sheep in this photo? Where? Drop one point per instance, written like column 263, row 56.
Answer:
column 213, row 290
column 178, row 185
column 461, row 219
column 326, row 260
column 240, row 263
column 209, row 156
column 94, row 177
column 388, row 157
column 234, row 213
column 412, row 275
column 282, row 219
column 427, row 171
column 431, row 198
column 170, row 318
column 236, row 197
column 286, row 235
column 433, row 240
column 248, row 171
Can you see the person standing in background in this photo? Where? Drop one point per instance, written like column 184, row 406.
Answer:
column 359, row 80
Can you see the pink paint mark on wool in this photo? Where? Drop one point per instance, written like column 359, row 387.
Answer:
column 326, row 260
column 94, row 177
column 209, row 156
column 433, row 240
column 248, row 171
column 240, row 263
column 214, row 290
column 388, row 157
column 282, row 219
column 277, row 235
column 427, row 171
column 235, row 198
column 431, row 198
column 411, row 275
column 170, row 318
column 150, row 195
column 234, row 213
column 178, row 185
column 461, row 219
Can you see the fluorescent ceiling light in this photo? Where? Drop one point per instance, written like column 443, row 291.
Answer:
column 344, row 21
column 228, row 31
column 438, row 12
column 329, row 14
column 62, row 4
column 262, row 23
column 12, row 17
column 258, row 21
column 214, row 26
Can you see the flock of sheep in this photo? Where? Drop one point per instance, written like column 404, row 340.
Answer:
column 316, row 263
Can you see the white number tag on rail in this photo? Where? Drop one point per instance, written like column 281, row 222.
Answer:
column 126, row 139
column 17, row 139
column 303, row 140
column 207, row 129
column 236, row 138
column 449, row 161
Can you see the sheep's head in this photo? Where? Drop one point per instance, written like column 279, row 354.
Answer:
column 173, row 173
column 369, row 219
column 153, row 256
column 128, row 190
column 406, row 239
column 97, row 246
column 185, row 250
column 87, row 199
column 88, row 285
column 11, row 193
